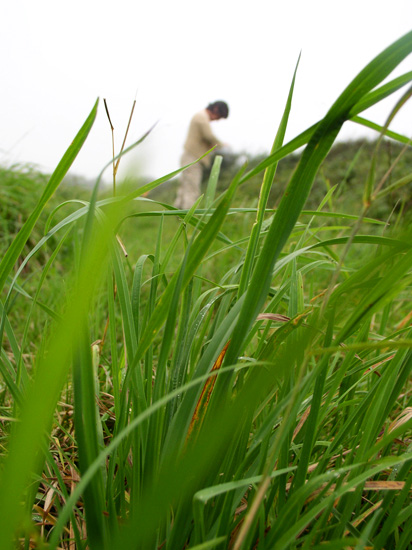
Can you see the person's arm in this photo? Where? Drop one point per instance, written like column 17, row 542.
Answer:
column 207, row 133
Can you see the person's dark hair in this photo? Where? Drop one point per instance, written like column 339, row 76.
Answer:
column 221, row 107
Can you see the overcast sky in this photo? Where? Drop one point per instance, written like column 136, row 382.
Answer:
column 174, row 57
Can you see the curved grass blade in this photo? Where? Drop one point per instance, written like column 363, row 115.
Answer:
column 93, row 468
column 204, row 399
column 302, row 139
column 292, row 203
column 20, row 240
column 25, row 445
column 382, row 130
column 299, row 187
column 212, row 183
column 264, row 194
column 197, row 251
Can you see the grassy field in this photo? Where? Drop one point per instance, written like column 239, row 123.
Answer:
column 233, row 376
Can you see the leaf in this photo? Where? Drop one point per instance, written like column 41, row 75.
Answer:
column 56, row 178
column 204, row 398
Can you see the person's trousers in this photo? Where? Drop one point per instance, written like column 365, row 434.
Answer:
column 189, row 182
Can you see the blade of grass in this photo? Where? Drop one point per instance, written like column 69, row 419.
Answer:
column 264, row 193
column 298, row 189
column 25, row 457
column 293, row 202
column 20, row 240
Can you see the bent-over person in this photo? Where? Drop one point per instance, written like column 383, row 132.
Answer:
column 200, row 139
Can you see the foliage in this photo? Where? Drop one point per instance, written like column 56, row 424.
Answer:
column 347, row 167
column 240, row 380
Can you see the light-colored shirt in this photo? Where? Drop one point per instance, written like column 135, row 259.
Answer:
column 200, row 137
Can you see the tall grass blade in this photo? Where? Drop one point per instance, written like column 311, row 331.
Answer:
column 16, row 247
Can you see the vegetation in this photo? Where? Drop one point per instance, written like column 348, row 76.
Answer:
column 346, row 166
column 233, row 376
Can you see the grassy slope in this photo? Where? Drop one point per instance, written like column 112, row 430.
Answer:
column 139, row 236
column 305, row 437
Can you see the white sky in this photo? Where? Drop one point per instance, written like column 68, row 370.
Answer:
column 174, row 57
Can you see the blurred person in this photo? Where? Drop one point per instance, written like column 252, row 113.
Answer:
column 199, row 140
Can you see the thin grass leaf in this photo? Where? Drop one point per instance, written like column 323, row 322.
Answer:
column 301, row 182
column 212, row 183
column 381, row 130
column 20, row 240
column 25, row 456
column 293, row 202
column 113, row 445
column 196, row 253
column 264, row 193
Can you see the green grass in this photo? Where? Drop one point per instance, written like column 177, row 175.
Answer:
column 240, row 380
